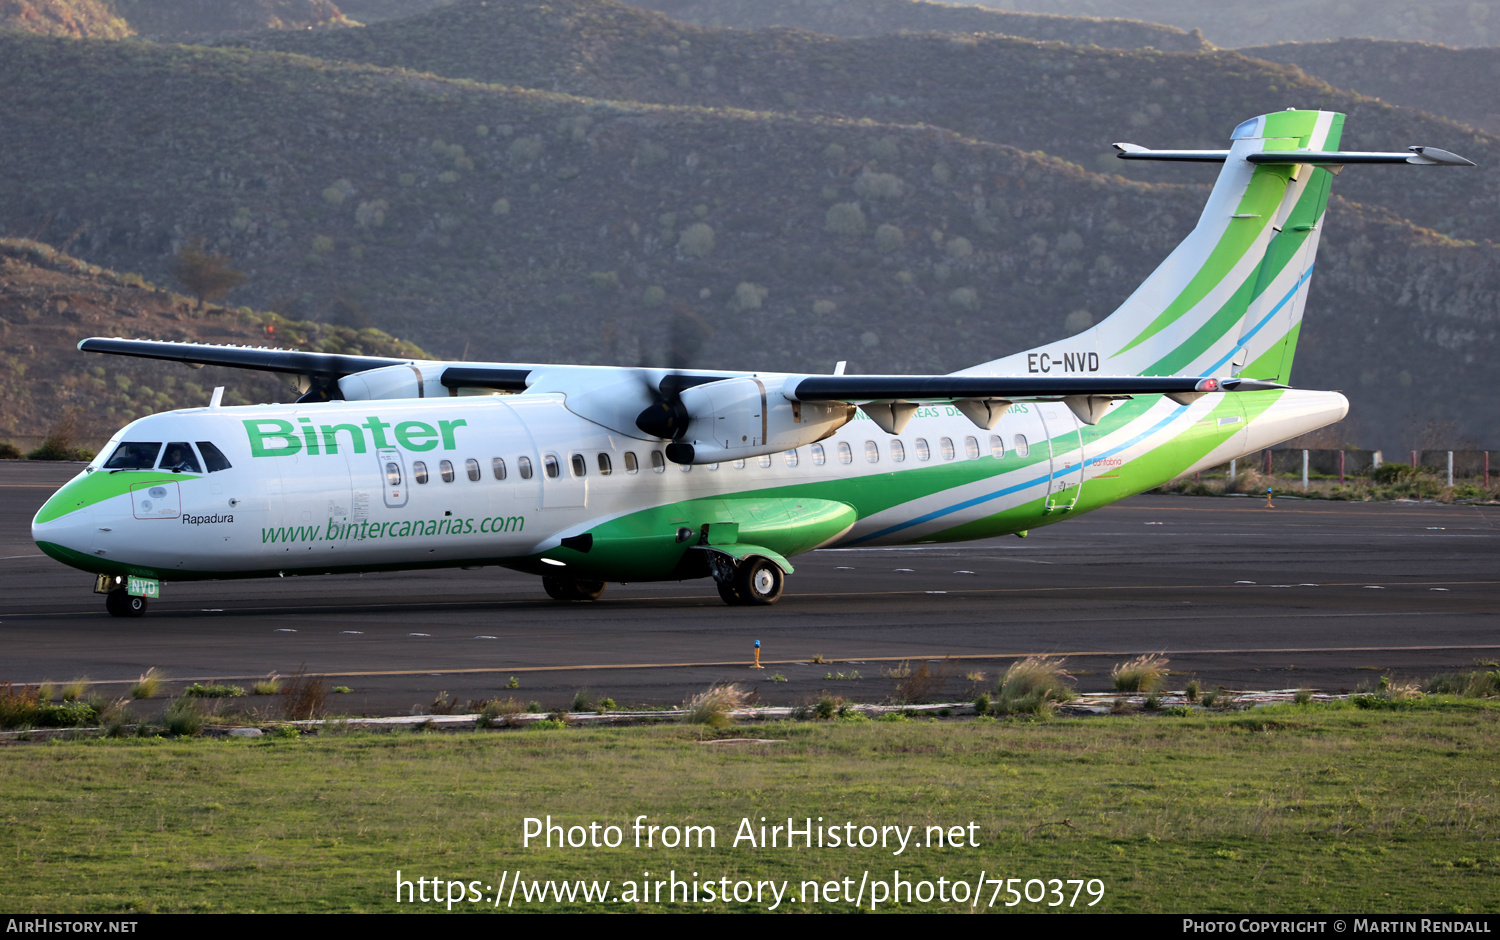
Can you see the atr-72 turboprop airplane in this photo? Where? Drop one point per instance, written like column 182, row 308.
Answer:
column 586, row 474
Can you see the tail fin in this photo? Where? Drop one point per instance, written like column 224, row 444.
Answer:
column 1228, row 300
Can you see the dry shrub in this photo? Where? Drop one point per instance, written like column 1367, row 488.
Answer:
column 1032, row 686
column 148, row 685
column 1250, row 482
column 304, row 697
column 712, row 707
column 919, row 684
column 1142, row 674
column 496, row 712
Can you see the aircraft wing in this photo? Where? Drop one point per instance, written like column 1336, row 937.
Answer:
column 891, row 400
column 863, row 388
column 259, row 358
column 656, row 401
column 321, row 370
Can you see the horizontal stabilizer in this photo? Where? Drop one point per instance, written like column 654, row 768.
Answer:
column 1417, row 156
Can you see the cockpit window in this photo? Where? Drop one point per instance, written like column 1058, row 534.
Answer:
column 179, row 458
column 213, row 457
column 134, row 455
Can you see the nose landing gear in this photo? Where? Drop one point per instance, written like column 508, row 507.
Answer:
column 119, row 603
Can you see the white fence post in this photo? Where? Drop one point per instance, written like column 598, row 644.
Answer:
column 1304, row 471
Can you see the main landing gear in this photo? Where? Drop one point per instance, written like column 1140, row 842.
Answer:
column 571, row 589
column 122, row 604
column 754, row 581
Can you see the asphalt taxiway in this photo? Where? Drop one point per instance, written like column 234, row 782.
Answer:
column 1312, row 594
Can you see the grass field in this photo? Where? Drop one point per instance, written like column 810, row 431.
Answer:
column 1315, row 809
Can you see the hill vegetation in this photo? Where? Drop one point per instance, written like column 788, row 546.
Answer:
column 1068, row 101
column 375, row 11
column 95, row 18
column 49, row 301
column 1452, row 22
column 880, row 17
column 1458, row 84
column 165, row 19
column 771, row 199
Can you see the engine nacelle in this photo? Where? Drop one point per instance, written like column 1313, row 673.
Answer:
column 409, row 380
column 745, row 417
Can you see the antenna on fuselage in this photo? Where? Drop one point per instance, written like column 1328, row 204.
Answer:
column 213, row 403
column 838, row 368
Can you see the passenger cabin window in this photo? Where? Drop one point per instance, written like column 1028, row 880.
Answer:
column 213, row 457
column 1022, row 448
column 631, row 466
column 419, row 471
column 791, row 457
column 820, row 456
column 392, row 473
column 971, row 448
column 552, row 465
column 923, row 451
column 658, row 462
column 446, row 469
column 898, row 451
column 685, row 467
column 523, row 464
column 134, row 455
column 947, row 445
column 497, row 467
column 765, row 460
column 179, row 458
column 739, row 464
column 580, row 466
column 997, row 446
column 846, row 453
column 872, row 452
column 605, row 466
column 471, row 466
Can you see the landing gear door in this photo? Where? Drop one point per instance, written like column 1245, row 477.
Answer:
column 393, row 478
column 1065, row 451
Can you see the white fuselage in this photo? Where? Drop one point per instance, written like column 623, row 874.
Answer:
column 495, row 479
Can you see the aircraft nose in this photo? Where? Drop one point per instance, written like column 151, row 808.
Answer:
column 65, row 526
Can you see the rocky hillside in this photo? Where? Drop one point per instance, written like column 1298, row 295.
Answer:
column 165, row 19
column 500, row 223
column 1067, row 101
column 49, row 301
column 1458, row 84
column 585, row 181
column 880, row 17
column 1451, row 22
column 75, row 18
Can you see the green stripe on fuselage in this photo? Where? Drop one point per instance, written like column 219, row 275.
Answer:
column 100, row 485
column 1161, row 464
column 1258, row 207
